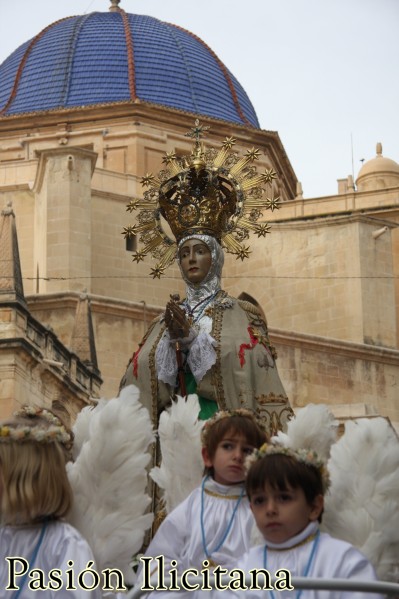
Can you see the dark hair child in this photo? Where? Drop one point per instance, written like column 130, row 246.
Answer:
column 213, row 525
column 286, row 488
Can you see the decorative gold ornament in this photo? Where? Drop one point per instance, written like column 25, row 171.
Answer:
column 206, row 192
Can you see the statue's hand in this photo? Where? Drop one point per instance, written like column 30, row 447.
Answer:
column 176, row 321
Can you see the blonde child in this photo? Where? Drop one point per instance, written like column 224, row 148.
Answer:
column 286, row 488
column 40, row 554
column 213, row 525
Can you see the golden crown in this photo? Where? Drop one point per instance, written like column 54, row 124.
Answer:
column 206, row 192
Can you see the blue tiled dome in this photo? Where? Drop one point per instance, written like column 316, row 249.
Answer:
column 111, row 57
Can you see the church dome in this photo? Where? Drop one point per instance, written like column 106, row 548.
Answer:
column 378, row 173
column 116, row 57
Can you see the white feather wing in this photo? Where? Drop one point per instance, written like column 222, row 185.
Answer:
column 363, row 504
column 180, row 439
column 313, row 426
column 109, row 479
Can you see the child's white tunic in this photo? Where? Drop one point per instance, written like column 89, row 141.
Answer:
column 333, row 559
column 61, row 543
column 180, row 537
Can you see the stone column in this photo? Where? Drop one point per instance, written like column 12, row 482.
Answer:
column 62, row 219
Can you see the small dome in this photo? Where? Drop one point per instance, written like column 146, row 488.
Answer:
column 378, row 173
column 116, row 57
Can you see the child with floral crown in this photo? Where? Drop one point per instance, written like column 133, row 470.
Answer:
column 213, row 525
column 35, row 495
column 286, row 488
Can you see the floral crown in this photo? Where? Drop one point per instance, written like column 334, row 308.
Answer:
column 305, row 456
column 56, row 431
column 227, row 414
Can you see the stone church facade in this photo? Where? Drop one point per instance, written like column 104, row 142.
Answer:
column 326, row 276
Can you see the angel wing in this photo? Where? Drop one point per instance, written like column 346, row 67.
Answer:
column 363, row 504
column 180, row 439
column 313, row 427
column 109, row 479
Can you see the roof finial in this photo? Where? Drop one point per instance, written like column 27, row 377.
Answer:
column 114, row 5
column 379, row 149
column 299, row 191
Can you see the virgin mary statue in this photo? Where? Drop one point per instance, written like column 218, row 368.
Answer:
column 208, row 343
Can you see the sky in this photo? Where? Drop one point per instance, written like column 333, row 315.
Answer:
column 323, row 73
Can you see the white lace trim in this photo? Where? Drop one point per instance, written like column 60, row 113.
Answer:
column 202, row 355
column 166, row 361
column 184, row 342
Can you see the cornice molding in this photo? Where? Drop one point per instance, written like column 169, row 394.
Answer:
column 164, row 117
column 328, row 345
column 99, row 304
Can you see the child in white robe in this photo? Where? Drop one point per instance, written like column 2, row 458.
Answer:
column 35, row 494
column 286, row 490
column 213, row 525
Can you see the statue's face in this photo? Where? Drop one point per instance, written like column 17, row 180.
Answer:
column 195, row 259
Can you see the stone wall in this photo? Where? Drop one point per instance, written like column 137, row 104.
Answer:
column 326, row 276
column 353, row 379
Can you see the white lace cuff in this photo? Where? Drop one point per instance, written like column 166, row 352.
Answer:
column 202, row 355
column 185, row 342
column 166, row 361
